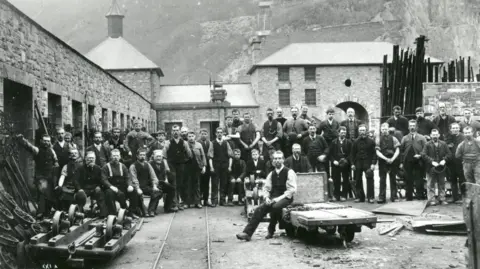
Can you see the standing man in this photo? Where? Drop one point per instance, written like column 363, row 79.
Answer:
column 117, row 142
column 158, row 165
column 454, row 138
column 177, row 152
column 329, row 127
column 236, row 118
column 305, row 116
column 363, row 161
column 249, row 136
column 66, row 187
column 280, row 119
column 184, row 133
column 46, row 163
column 119, row 186
column 237, row 176
column 102, row 153
column 468, row 121
column 271, row 134
column 469, row 152
column 388, row 151
column 142, row 172
column 158, row 143
column 352, row 124
column 137, row 139
column 195, row 168
column 295, row 129
column 219, row 155
column 398, row 121
column 88, row 180
column 424, row 126
column 443, row 121
column 297, row 162
column 230, row 133
column 436, row 155
column 61, row 149
column 316, row 149
column 411, row 149
column 205, row 177
column 279, row 189
column 339, row 156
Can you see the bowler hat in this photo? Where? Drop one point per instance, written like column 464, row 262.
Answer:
column 369, row 173
column 292, row 136
column 343, row 162
column 439, row 169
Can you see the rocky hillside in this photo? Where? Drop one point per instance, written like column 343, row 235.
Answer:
column 194, row 39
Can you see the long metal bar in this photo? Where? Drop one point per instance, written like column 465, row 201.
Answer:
column 157, row 259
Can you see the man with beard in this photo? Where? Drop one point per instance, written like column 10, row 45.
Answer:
column 297, row 162
column 424, row 126
column 88, row 180
column 116, row 142
column 398, row 121
column 102, row 153
column 280, row 119
column 363, row 161
column 443, row 121
column 119, row 186
column 279, row 189
column 205, row 177
column 184, row 133
column 249, row 136
column 45, row 165
column 177, row 152
column 454, row 138
column 61, row 149
column 339, row 156
column 468, row 121
column 305, row 116
column 469, row 152
column 388, row 150
column 66, row 187
column 352, row 124
column 271, row 134
column 219, row 155
column 142, row 172
column 236, row 177
column 137, row 139
column 294, row 129
column 158, row 165
column 236, row 118
column 316, row 149
column 411, row 149
column 329, row 127
column 195, row 167
column 158, row 143
column 436, row 155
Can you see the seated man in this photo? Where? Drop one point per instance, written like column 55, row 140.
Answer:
column 88, row 184
column 256, row 169
column 237, row 175
column 279, row 188
column 66, row 184
column 158, row 165
column 118, row 184
column 298, row 162
column 142, row 172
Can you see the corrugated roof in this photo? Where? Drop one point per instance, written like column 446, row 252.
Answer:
column 239, row 95
column 114, row 10
column 334, row 53
column 117, row 53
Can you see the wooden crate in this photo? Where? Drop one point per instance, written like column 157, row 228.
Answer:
column 311, row 188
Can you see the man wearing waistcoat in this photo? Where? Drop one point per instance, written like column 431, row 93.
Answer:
column 158, row 164
column 196, row 167
column 352, row 124
column 142, row 172
column 388, row 150
column 271, row 135
column 119, row 186
column 340, row 157
column 364, row 158
column 249, row 136
column 177, row 152
column 443, row 121
column 469, row 152
column 159, row 143
column 279, row 189
column 66, row 187
column 411, row 149
column 102, row 153
column 205, row 177
column 280, row 119
column 457, row 178
column 294, row 130
column 316, row 149
column 137, row 139
column 220, row 158
column 61, row 149
column 46, row 163
column 230, row 133
column 298, row 162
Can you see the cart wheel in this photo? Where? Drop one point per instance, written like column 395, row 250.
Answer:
column 72, row 210
column 331, row 230
column 109, row 230
column 347, row 233
column 57, row 219
column 21, row 255
column 290, row 230
column 121, row 216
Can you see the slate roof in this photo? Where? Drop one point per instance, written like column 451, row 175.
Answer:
column 238, row 94
column 118, row 54
column 334, row 53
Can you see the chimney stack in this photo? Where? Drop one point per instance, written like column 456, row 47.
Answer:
column 115, row 21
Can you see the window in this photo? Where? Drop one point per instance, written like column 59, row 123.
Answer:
column 311, row 97
column 114, row 119
column 284, row 97
column 104, row 120
column 122, row 122
column 283, row 74
column 310, row 74
column 129, row 124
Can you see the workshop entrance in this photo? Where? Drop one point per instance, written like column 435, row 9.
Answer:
column 360, row 112
column 211, row 126
column 18, row 119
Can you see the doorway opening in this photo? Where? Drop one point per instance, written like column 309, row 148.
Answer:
column 211, row 126
column 77, row 124
column 360, row 112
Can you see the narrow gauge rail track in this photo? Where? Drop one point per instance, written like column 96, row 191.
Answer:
column 185, row 251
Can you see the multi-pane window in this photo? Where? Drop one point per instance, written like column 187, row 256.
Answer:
column 283, row 74
column 310, row 74
column 311, row 97
column 284, row 97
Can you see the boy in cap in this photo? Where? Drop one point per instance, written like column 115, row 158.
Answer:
column 237, row 175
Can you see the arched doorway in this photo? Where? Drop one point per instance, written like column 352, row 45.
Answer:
column 360, row 111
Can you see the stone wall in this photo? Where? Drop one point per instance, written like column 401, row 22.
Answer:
column 330, row 89
column 144, row 82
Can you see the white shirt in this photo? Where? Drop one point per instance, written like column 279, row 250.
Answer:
column 330, row 121
column 61, row 143
column 255, row 162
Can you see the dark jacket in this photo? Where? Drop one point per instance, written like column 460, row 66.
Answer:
column 315, row 147
column 305, row 166
column 432, row 153
column 102, row 157
column 425, row 126
column 453, row 141
column 356, row 123
column 400, row 124
column 363, row 149
column 443, row 125
column 62, row 153
column 473, row 123
column 408, row 144
column 252, row 169
column 239, row 169
column 330, row 131
column 88, row 178
column 339, row 151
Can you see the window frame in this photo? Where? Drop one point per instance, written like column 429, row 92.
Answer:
column 280, row 97
column 308, row 93
column 281, row 74
column 309, row 76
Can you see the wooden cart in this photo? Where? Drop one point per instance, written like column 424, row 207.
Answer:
column 311, row 211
